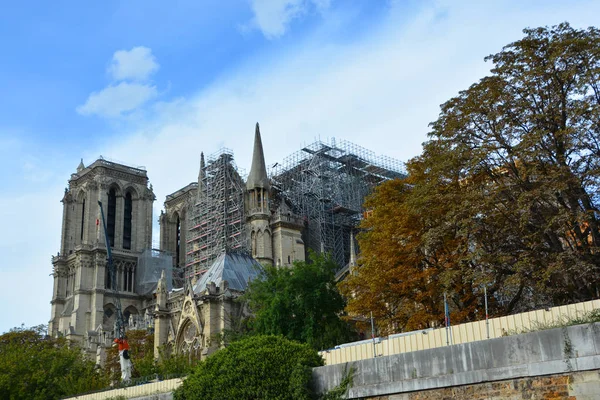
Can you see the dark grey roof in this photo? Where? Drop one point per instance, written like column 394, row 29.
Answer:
column 258, row 171
column 236, row 268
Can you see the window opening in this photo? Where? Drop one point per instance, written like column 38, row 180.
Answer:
column 82, row 218
column 177, row 245
column 127, row 221
column 108, row 280
column 112, row 212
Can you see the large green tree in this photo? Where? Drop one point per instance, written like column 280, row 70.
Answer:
column 301, row 303
column 505, row 193
column 35, row 366
column 256, row 367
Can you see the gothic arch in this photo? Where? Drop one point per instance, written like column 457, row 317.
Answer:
column 79, row 209
column 128, row 219
column 268, row 244
column 131, row 310
column 81, row 195
column 113, row 184
column 131, row 189
column 260, row 244
column 189, row 340
column 174, row 215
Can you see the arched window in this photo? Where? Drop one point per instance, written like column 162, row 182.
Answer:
column 128, row 280
column 108, row 279
column 111, row 215
column 178, row 243
column 82, row 218
column 128, row 211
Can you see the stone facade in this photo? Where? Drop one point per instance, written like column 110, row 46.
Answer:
column 187, row 318
column 83, row 304
column 574, row 386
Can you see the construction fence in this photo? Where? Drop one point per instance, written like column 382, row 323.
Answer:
column 463, row 333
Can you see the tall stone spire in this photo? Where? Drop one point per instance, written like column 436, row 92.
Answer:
column 201, row 172
column 258, row 171
column 201, row 176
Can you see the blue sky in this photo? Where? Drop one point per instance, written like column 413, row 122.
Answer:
column 153, row 83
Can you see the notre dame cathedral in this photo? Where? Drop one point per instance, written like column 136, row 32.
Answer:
column 215, row 234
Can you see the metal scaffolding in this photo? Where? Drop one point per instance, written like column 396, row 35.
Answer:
column 327, row 183
column 216, row 221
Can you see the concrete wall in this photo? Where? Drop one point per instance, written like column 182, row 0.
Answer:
column 463, row 333
column 560, row 351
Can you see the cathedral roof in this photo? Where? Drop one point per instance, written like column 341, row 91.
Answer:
column 237, row 268
column 258, row 171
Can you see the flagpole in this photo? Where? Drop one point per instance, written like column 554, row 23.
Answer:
column 373, row 333
column 487, row 321
column 446, row 319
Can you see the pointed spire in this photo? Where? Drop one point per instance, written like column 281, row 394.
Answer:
column 201, row 176
column 80, row 167
column 258, row 171
column 201, row 172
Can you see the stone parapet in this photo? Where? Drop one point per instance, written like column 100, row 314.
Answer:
column 560, row 351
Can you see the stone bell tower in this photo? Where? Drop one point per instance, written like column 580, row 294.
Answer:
column 83, row 296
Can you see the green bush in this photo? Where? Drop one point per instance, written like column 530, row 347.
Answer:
column 258, row 367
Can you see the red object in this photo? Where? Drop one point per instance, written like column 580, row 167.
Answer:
column 123, row 345
column 97, row 222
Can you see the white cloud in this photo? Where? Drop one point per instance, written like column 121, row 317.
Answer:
column 136, row 64
column 273, row 17
column 129, row 90
column 115, row 100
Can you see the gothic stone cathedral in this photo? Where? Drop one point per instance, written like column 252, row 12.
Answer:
column 210, row 227
column 214, row 235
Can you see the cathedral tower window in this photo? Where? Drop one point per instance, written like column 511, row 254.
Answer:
column 128, row 280
column 82, row 218
column 178, row 242
column 108, row 282
column 111, row 216
column 128, row 211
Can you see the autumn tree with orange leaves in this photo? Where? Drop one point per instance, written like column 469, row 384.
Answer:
column 506, row 194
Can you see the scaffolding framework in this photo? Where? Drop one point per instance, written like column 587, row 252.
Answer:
column 327, row 183
column 216, row 221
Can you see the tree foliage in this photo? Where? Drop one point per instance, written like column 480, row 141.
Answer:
column 256, row 367
column 504, row 194
column 301, row 303
column 35, row 366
